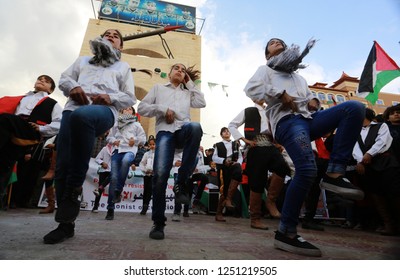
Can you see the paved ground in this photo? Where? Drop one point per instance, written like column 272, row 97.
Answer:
column 197, row 237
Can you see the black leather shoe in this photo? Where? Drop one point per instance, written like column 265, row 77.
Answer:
column 157, row 232
column 181, row 197
column 62, row 232
column 110, row 214
column 296, row 245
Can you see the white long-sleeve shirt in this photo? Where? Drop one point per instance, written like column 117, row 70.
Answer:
column 239, row 120
column 146, row 164
column 132, row 130
column 201, row 167
column 268, row 84
column 160, row 98
column 104, row 156
column 29, row 102
column 115, row 80
column 382, row 143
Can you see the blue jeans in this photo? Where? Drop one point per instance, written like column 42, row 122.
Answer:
column 75, row 141
column 295, row 133
column 120, row 165
column 187, row 138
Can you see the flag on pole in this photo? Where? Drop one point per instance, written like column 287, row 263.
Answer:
column 13, row 178
column 379, row 70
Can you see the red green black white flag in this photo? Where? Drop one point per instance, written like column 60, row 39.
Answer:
column 379, row 70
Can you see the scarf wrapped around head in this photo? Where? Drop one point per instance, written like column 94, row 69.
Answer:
column 104, row 53
column 125, row 119
column 290, row 59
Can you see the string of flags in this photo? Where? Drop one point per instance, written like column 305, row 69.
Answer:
column 214, row 87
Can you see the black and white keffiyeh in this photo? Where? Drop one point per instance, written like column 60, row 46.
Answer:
column 290, row 59
column 104, row 53
column 125, row 119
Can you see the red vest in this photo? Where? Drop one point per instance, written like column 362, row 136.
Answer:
column 41, row 114
column 8, row 104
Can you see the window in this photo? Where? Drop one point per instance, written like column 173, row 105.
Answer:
column 380, row 102
column 330, row 98
column 340, row 98
column 321, row 96
column 395, row 103
column 314, row 93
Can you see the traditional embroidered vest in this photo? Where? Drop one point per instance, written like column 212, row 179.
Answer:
column 41, row 114
column 382, row 161
column 222, row 152
column 8, row 104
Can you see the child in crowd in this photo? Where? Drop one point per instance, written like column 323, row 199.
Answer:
column 146, row 165
column 97, row 87
column 170, row 104
column 125, row 136
column 104, row 171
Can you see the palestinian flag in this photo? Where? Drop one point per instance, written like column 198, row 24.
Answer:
column 13, row 177
column 379, row 70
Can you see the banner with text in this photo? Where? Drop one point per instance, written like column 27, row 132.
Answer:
column 132, row 194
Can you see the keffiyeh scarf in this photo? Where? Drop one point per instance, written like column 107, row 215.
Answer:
column 125, row 119
column 290, row 59
column 104, row 53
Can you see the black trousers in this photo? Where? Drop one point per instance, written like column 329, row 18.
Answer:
column 260, row 160
column 147, row 189
column 233, row 172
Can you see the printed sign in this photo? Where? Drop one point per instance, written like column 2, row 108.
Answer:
column 150, row 13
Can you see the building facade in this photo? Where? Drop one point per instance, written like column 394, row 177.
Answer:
column 345, row 89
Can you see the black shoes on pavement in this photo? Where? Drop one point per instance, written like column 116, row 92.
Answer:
column 110, row 214
column 62, row 232
column 181, row 195
column 157, row 232
column 295, row 245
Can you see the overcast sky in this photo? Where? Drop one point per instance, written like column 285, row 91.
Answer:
column 45, row 37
